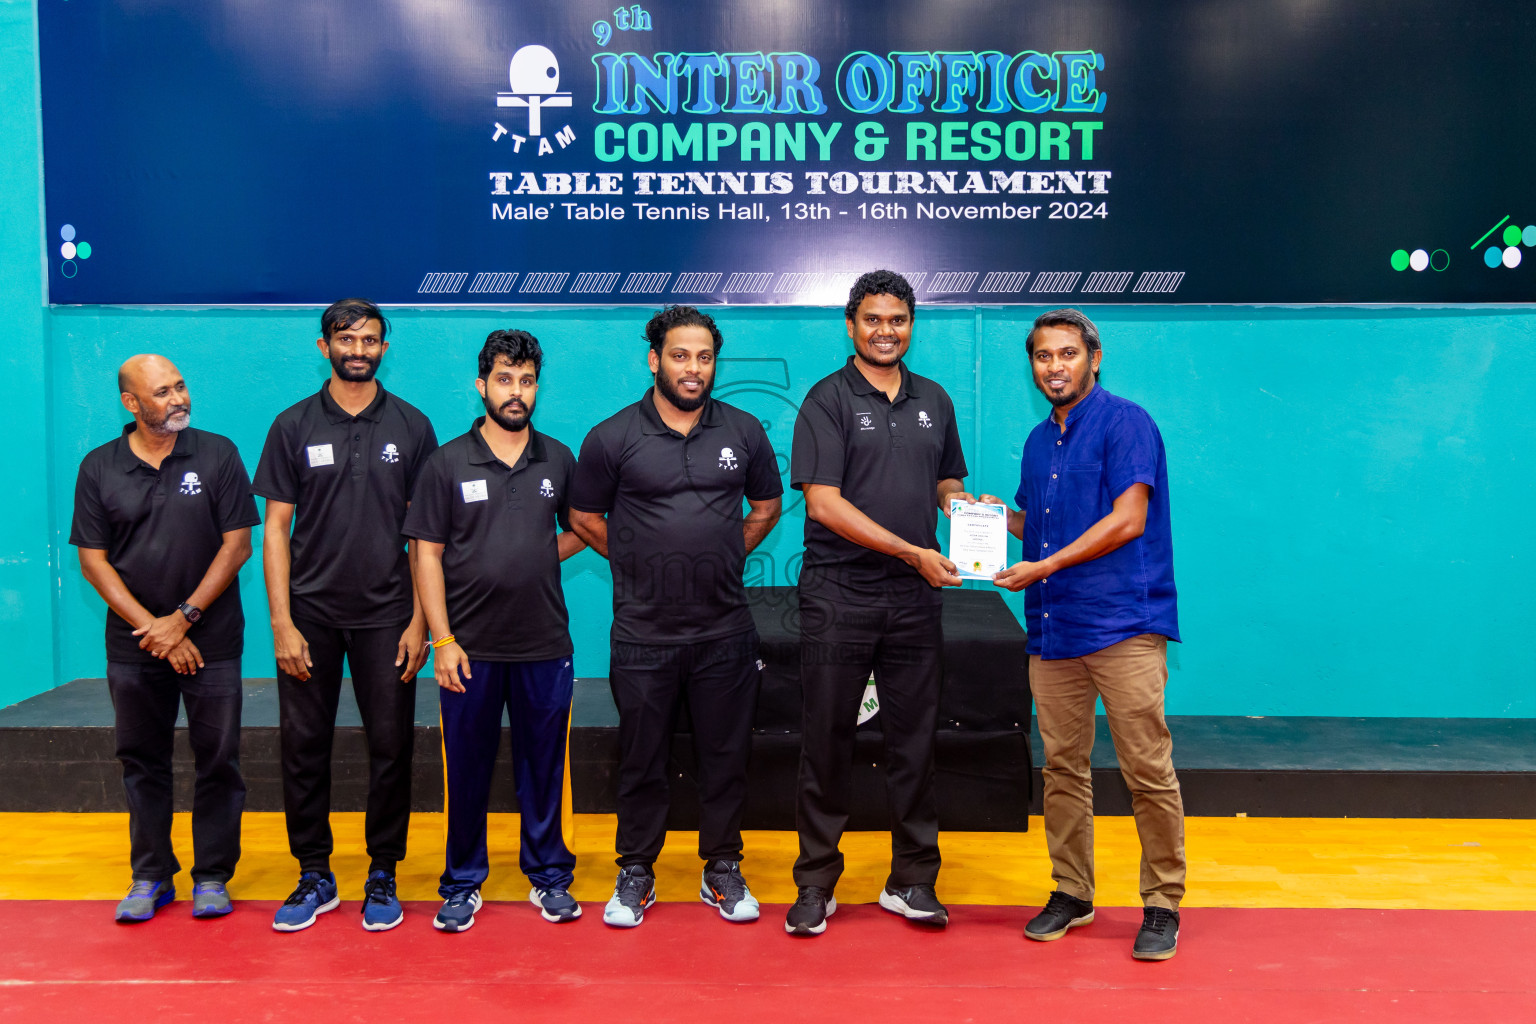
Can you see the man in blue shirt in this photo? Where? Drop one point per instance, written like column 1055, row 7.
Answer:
column 1101, row 607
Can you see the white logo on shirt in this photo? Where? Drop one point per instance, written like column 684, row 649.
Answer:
column 866, row 421
column 474, row 490
column 320, row 455
column 923, row 420
column 190, row 484
column 389, row 454
column 547, row 489
column 727, row 459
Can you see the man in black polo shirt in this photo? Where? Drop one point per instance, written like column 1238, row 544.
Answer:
column 877, row 453
column 669, row 473
column 346, row 459
column 486, row 517
column 163, row 519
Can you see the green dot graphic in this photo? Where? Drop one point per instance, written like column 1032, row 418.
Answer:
column 1400, row 260
column 83, row 250
column 1512, row 235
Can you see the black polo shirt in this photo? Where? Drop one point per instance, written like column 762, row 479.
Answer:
column 674, row 512
column 161, row 529
column 887, row 458
column 351, row 478
column 501, row 563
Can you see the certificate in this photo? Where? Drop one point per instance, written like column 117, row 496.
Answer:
column 978, row 539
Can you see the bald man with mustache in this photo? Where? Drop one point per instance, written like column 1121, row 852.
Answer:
column 163, row 518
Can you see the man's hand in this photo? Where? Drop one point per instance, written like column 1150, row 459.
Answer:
column 935, row 568
column 185, row 658
column 962, row 495
column 448, row 663
column 1020, row 575
column 292, row 651
column 162, row 635
column 412, row 650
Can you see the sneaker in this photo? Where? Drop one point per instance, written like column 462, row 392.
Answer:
column 632, row 893
column 458, row 912
column 1061, row 912
column 808, row 914
column 315, row 894
column 1159, row 935
column 915, row 903
column 143, row 899
column 381, row 907
column 723, row 888
column 555, row 904
column 210, row 900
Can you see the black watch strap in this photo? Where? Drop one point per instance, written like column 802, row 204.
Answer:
column 191, row 612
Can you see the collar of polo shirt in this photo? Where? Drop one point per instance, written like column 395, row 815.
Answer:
column 336, row 414
column 533, row 452
column 652, row 418
column 860, row 385
column 186, row 444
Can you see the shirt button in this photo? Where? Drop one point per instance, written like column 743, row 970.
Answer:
column 1053, row 476
column 893, row 423
column 359, row 437
column 1058, row 444
column 1047, row 614
column 1044, row 545
column 1047, row 511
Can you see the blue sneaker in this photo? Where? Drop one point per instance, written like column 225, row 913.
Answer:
column 209, row 899
column 555, row 904
column 143, row 899
column 316, row 894
column 381, row 908
column 458, row 913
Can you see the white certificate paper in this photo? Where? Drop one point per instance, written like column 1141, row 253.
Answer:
column 978, row 539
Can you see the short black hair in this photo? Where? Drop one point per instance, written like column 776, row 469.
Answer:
column 1065, row 318
column 517, row 347
column 680, row 316
column 880, row 282
column 349, row 313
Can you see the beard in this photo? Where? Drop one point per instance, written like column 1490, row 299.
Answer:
column 512, row 415
column 680, row 401
column 351, row 374
column 1067, row 395
column 176, row 419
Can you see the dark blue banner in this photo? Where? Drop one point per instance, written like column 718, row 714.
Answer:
column 487, row 151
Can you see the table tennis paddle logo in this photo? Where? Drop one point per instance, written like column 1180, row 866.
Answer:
column 534, row 77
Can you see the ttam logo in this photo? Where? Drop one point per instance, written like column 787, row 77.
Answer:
column 534, row 75
column 727, row 459
column 190, row 484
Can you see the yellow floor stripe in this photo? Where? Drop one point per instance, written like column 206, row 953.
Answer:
column 1233, row 862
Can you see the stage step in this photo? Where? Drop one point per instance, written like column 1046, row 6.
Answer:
column 56, row 754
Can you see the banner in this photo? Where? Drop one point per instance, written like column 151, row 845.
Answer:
column 1048, row 153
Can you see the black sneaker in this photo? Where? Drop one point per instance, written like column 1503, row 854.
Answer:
column 723, row 888
column 1061, row 912
column 915, row 903
column 632, row 893
column 1159, row 935
column 808, row 915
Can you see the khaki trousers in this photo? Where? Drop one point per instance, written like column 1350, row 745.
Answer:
column 1130, row 676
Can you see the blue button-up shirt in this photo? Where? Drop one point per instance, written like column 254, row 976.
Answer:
column 1069, row 480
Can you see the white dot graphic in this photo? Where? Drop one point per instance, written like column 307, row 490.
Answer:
column 1512, row 256
column 67, row 232
column 1419, row 259
column 67, row 250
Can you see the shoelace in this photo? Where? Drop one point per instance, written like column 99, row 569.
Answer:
column 309, row 885
column 1157, row 918
column 378, row 890
column 556, row 893
column 811, row 894
column 1061, row 901
column 632, row 889
column 141, row 887
column 734, row 886
column 458, row 900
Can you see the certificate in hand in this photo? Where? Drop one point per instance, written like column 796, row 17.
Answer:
column 978, row 539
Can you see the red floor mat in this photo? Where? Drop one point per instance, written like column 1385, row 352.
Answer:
column 67, row 961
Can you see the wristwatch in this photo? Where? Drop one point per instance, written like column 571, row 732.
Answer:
column 192, row 613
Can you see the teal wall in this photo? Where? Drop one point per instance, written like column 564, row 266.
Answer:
column 1347, row 484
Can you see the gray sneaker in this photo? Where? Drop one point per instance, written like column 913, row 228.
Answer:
column 143, row 899
column 210, row 900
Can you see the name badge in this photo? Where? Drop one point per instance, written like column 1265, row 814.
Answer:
column 320, row 455
column 474, row 490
